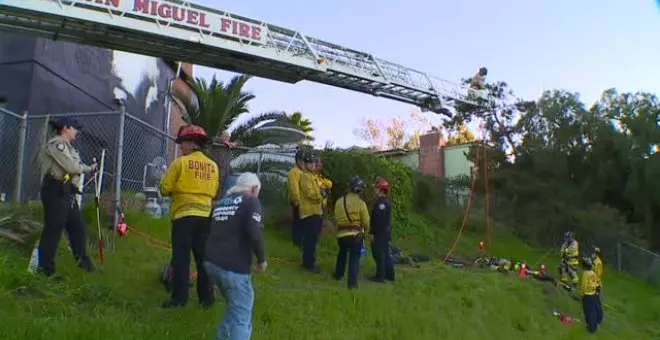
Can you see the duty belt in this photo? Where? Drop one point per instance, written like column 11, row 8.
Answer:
column 350, row 228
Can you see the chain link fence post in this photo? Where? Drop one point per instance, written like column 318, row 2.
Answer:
column 20, row 159
column 618, row 255
column 119, row 162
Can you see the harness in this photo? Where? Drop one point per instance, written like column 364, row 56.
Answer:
column 351, row 227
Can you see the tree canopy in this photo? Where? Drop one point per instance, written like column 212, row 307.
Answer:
column 593, row 169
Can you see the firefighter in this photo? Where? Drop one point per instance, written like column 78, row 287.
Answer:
column 478, row 80
column 311, row 210
column 61, row 166
column 381, row 233
column 352, row 219
column 293, row 182
column 596, row 258
column 324, row 183
column 590, row 297
column 570, row 254
column 192, row 181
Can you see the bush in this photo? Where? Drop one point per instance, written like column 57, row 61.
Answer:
column 340, row 165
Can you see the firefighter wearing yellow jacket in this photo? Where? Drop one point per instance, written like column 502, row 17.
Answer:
column 352, row 218
column 596, row 258
column 324, row 183
column 293, row 182
column 311, row 210
column 192, row 181
column 591, row 305
column 570, row 260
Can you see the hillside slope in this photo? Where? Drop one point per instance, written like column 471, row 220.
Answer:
column 432, row 302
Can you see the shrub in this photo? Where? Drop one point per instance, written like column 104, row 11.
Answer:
column 340, row 165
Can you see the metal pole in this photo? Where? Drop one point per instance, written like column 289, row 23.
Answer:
column 168, row 115
column 261, row 160
column 119, row 162
column 22, row 136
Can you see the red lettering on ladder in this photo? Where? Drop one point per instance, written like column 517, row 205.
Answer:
column 240, row 29
column 168, row 11
column 113, row 3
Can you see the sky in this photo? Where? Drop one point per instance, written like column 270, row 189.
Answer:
column 583, row 46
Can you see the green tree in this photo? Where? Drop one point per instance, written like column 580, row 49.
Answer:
column 462, row 135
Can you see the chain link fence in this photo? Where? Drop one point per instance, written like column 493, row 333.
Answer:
column 138, row 154
column 135, row 152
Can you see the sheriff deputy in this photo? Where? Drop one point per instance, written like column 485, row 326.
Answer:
column 61, row 166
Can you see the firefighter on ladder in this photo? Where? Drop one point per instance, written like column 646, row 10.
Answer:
column 478, row 85
column 570, row 254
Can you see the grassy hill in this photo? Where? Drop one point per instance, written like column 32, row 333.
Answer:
column 432, row 302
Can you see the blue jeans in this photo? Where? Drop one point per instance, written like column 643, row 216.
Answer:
column 237, row 291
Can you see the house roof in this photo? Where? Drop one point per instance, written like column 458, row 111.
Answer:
column 393, row 152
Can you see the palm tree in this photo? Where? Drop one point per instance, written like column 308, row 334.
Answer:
column 214, row 105
column 304, row 124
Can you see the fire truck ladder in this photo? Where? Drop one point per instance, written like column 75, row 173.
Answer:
column 184, row 31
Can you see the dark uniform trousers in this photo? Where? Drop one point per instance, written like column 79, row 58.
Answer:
column 310, row 229
column 350, row 249
column 61, row 212
column 190, row 233
column 296, row 230
column 593, row 313
column 382, row 254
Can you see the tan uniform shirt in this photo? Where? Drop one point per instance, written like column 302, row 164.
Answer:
column 59, row 158
column 477, row 82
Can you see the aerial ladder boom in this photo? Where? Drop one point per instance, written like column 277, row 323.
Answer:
column 184, row 31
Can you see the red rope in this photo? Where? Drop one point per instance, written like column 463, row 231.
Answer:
column 466, row 212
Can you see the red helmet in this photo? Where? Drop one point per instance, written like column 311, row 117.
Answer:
column 382, row 184
column 192, row 132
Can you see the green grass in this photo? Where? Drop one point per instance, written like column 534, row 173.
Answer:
column 433, row 302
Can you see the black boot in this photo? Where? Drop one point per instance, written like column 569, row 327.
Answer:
column 168, row 304
column 377, row 279
column 207, row 303
column 87, row 265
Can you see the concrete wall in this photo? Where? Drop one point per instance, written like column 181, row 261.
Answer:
column 456, row 162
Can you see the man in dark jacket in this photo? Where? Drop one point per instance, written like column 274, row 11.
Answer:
column 236, row 234
column 381, row 233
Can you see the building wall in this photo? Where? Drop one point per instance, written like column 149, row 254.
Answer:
column 48, row 77
column 456, row 162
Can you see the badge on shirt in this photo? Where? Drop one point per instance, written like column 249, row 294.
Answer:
column 256, row 217
column 60, row 146
column 381, row 206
